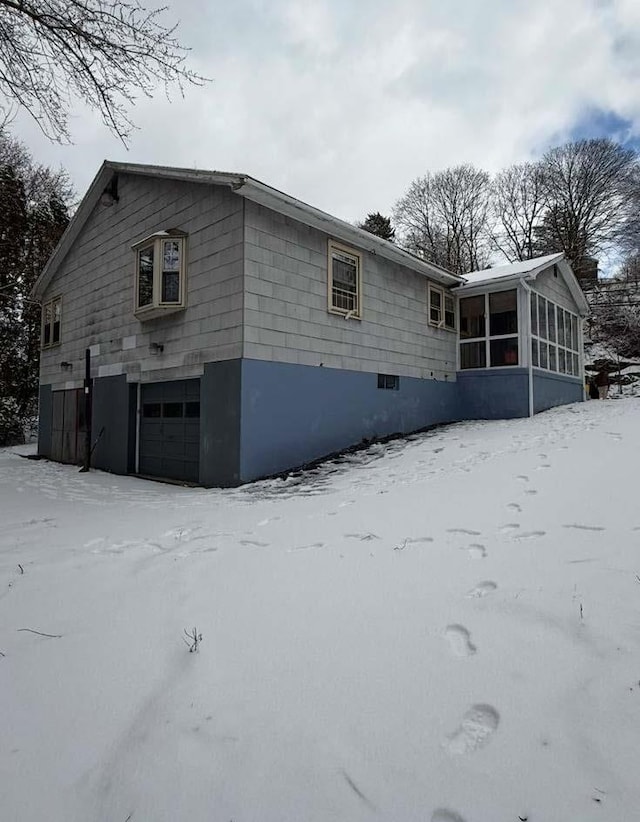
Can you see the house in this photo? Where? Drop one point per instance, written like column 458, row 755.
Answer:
column 231, row 332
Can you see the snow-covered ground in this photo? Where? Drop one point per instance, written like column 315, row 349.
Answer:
column 444, row 629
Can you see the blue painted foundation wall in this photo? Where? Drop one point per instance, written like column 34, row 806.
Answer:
column 550, row 390
column 292, row 414
column 492, row 394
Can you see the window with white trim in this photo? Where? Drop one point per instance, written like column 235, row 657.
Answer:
column 442, row 308
column 344, row 281
column 51, row 322
column 554, row 337
column 160, row 286
column 489, row 330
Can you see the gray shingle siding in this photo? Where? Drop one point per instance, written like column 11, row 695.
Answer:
column 286, row 317
column 97, row 280
column 555, row 289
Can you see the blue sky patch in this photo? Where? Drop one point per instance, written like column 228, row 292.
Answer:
column 600, row 123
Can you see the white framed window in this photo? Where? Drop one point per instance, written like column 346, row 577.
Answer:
column 442, row 308
column 489, row 330
column 51, row 322
column 554, row 337
column 344, row 281
column 160, row 274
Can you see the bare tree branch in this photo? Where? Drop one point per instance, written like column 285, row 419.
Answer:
column 444, row 217
column 104, row 52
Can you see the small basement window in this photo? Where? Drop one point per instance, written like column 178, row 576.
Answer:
column 51, row 320
column 345, row 281
column 390, row 382
column 160, row 274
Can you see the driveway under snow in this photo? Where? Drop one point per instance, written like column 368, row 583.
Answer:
column 445, row 628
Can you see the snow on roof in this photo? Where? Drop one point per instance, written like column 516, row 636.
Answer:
column 512, row 269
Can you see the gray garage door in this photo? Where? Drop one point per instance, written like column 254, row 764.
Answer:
column 170, row 430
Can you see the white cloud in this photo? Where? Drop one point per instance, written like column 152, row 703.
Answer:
column 343, row 104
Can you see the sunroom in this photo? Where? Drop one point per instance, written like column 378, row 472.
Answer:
column 520, row 338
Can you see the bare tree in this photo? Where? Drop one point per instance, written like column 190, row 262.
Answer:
column 444, row 218
column 615, row 311
column 587, row 190
column 518, row 204
column 104, row 52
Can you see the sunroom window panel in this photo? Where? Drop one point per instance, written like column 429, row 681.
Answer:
column 553, row 365
column 542, row 317
column 472, row 317
column 534, row 315
column 574, row 332
column 534, row 353
column 544, row 355
column 473, row 355
column 503, row 313
column 562, row 364
column 551, row 321
column 504, row 352
column 561, row 316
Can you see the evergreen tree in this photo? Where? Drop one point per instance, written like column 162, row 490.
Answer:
column 33, row 214
column 379, row 225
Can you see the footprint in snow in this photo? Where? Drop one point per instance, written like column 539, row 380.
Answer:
column 531, row 491
column 522, row 478
column 306, row 547
column 363, row 537
column 543, row 466
column 482, row 589
column 476, row 729
column 446, row 815
column 509, row 528
column 459, row 640
column 254, row 543
column 580, row 527
column 529, row 535
column 477, row 551
column 266, row 521
column 513, row 506
column 466, row 531
column 417, row 540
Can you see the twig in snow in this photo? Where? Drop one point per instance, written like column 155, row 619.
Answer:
column 21, row 568
column 193, row 640
column 31, row 631
column 581, row 613
column 1, row 654
column 638, row 578
column 401, row 547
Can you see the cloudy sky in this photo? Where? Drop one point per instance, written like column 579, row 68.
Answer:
column 342, row 103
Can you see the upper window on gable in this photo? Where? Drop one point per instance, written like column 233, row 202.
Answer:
column 51, row 322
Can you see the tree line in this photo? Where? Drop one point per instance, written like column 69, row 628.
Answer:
column 582, row 198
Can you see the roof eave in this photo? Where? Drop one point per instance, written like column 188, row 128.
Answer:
column 279, row 201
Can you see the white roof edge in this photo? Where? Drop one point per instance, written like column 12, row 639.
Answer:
column 248, row 187
column 279, row 201
column 558, row 259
